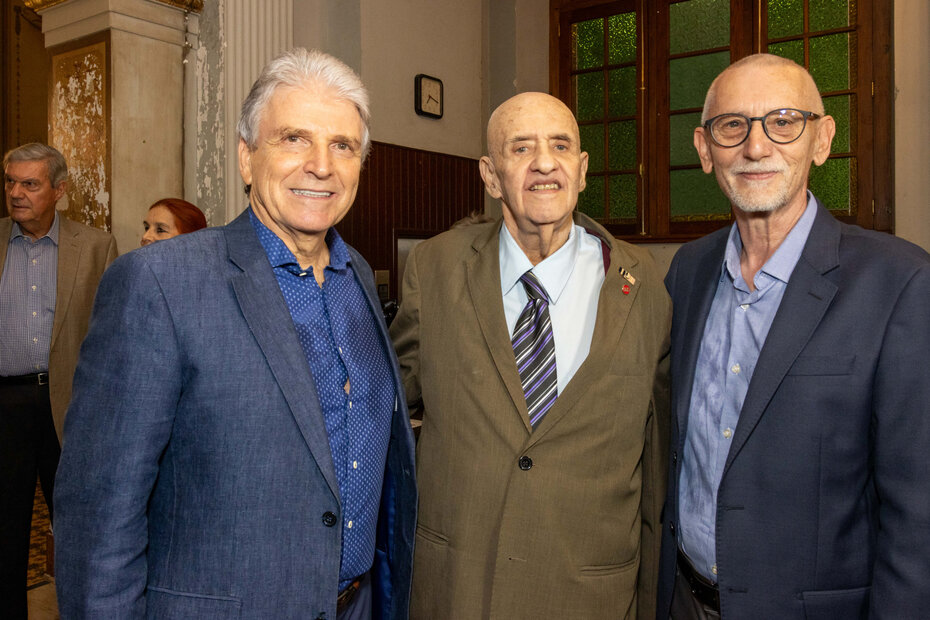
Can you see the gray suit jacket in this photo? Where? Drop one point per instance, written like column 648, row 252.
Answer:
column 196, row 479
column 83, row 254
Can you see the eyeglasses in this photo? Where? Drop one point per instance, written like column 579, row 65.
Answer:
column 782, row 126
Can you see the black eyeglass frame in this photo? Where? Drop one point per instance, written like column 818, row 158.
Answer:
column 813, row 116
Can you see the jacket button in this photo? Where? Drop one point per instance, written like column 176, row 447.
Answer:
column 329, row 519
column 671, row 527
column 525, row 463
column 674, row 458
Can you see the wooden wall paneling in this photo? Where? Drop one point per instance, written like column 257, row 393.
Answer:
column 405, row 192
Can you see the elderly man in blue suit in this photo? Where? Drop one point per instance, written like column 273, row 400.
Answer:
column 798, row 481
column 237, row 444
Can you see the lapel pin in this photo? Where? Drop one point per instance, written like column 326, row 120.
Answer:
column 628, row 277
column 626, row 289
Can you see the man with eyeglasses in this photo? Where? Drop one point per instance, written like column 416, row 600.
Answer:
column 798, row 481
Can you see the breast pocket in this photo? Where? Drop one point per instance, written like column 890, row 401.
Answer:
column 823, row 365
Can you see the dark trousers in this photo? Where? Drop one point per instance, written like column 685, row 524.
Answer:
column 28, row 448
column 685, row 606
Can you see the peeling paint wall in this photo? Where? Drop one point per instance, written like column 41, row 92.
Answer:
column 78, row 128
column 206, row 127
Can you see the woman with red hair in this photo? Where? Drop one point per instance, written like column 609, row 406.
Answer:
column 170, row 217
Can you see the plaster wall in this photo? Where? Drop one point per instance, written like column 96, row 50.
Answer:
column 442, row 38
column 912, row 131
column 146, row 155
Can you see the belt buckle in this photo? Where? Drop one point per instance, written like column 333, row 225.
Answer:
column 43, row 378
column 345, row 597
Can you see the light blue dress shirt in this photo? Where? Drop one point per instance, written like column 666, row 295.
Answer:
column 28, row 291
column 734, row 334
column 572, row 277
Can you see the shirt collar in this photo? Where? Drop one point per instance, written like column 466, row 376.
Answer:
column 553, row 272
column 783, row 261
column 280, row 256
column 52, row 234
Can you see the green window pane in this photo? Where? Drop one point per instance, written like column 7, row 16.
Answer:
column 589, row 96
column 786, row 18
column 789, row 49
column 621, row 31
column 622, row 145
column 699, row 25
column 681, row 146
column 696, row 196
column 830, row 61
column 592, row 141
column 622, row 85
column 591, row 200
column 831, row 182
column 623, row 197
column 588, row 43
column 827, row 14
column 691, row 77
column 841, row 109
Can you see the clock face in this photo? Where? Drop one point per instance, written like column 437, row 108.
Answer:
column 429, row 96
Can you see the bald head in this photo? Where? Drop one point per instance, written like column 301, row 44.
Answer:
column 756, row 68
column 536, row 168
column 507, row 115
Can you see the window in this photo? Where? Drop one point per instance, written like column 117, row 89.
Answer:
column 635, row 73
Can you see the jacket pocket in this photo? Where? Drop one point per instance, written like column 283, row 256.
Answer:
column 432, row 595
column 836, row 604
column 166, row 604
column 606, row 570
column 431, row 535
column 823, row 365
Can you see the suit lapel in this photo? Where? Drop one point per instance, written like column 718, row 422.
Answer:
column 613, row 310
column 483, row 278
column 806, row 299
column 69, row 258
column 699, row 284
column 265, row 311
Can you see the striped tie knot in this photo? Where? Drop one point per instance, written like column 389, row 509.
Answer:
column 534, row 350
column 534, row 288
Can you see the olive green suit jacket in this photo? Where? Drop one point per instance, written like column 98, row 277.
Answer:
column 83, row 254
column 560, row 522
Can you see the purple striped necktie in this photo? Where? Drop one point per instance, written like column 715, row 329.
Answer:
column 534, row 350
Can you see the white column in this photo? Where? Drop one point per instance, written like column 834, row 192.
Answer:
column 255, row 32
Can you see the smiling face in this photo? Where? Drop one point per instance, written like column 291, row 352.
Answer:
column 535, row 166
column 30, row 196
column 760, row 176
column 159, row 224
column 305, row 168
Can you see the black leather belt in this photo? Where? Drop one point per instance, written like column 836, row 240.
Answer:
column 702, row 589
column 345, row 597
column 40, row 378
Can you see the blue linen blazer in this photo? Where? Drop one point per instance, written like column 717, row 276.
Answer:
column 196, row 479
column 824, row 505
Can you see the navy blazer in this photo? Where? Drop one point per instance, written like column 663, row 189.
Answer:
column 823, row 510
column 196, row 479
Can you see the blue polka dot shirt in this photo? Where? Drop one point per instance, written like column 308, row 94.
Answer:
column 352, row 375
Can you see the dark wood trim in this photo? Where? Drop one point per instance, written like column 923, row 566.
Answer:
column 408, row 192
column 883, row 150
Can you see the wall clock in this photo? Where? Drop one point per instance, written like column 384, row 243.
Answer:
column 427, row 96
